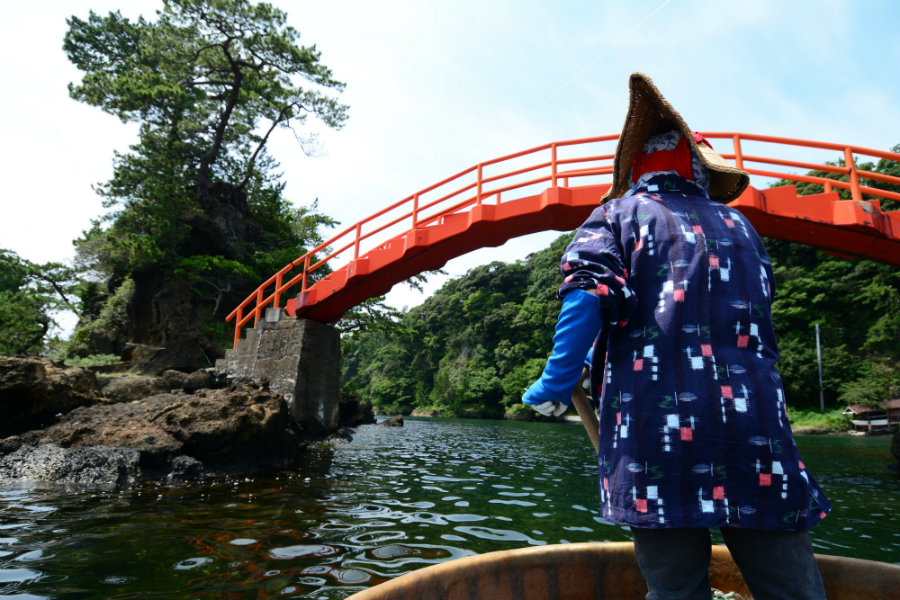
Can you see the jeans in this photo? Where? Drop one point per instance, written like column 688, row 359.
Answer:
column 776, row 565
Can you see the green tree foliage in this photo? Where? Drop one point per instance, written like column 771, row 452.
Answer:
column 374, row 313
column 197, row 196
column 857, row 305
column 208, row 82
column 29, row 296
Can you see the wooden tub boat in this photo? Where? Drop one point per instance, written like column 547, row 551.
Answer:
column 601, row 570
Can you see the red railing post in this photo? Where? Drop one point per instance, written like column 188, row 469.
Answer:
column 553, row 165
column 478, row 192
column 305, row 282
column 237, row 325
column 738, row 155
column 415, row 211
column 256, row 309
column 854, row 176
column 356, row 243
column 278, row 279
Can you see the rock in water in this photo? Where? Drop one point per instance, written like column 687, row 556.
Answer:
column 95, row 467
column 169, row 436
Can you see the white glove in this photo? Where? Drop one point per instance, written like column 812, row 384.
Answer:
column 550, row 409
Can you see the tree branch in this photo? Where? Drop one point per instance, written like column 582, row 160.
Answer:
column 282, row 116
column 59, row 290
column 212, row 153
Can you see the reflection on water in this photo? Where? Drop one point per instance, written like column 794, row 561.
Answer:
column 863, row 493
column 393, row 500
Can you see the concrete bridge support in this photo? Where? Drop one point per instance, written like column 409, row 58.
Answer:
column 296, row 357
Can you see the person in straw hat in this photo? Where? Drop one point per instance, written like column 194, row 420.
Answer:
column 672, row 288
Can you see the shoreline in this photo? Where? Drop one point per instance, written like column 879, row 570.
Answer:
column 576, row 420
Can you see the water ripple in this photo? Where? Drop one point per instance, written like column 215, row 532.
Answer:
column 18, row 575
column 303, row 551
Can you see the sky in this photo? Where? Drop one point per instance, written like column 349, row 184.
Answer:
column 437, row 86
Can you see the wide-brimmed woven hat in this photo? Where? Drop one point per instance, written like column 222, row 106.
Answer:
column 647, row 111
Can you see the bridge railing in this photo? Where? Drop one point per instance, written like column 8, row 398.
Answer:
column 583, row 161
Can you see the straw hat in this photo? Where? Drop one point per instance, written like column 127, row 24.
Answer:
column 648, row 114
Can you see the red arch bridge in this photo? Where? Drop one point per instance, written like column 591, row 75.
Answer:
column 556, row 186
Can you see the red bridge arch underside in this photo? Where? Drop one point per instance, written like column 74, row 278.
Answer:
column 537, row 190
column 850, row 228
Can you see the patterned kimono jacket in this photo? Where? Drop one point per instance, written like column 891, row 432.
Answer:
column 693, row 428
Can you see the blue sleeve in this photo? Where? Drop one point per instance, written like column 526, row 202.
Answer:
column 580, row 321
column 595, row 260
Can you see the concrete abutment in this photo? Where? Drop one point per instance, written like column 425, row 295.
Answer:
column 296, row 357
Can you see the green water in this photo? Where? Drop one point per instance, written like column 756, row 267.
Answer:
column 393, row 500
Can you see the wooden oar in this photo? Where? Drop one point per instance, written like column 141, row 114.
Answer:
column 586, row 411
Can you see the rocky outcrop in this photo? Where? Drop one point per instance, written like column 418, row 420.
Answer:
column 133, row 387
column 169, row 436
column 62, row 426
column 164, row 320
column 34, row 391
column 104, row 468
column 395, row 421
column 129, row 387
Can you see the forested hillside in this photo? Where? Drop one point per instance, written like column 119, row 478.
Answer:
column 475, row 345
column 470, row 349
